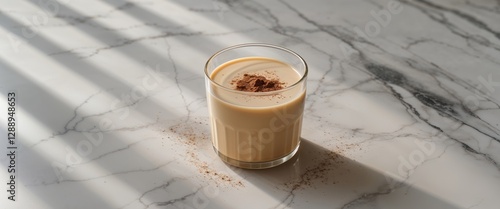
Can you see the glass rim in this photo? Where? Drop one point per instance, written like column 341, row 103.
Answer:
column 302, row 78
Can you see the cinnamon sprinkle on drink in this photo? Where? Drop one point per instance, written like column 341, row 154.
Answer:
column 257, row 83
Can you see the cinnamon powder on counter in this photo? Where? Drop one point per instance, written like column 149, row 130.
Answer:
column 192, row 135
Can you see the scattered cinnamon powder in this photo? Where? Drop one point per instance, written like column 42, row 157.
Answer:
column 257, row 83
column 322, row 165
column 325, row 163
column 326, row 166
column 194, row 137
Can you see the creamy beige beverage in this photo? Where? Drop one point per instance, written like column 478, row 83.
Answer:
column 256, row 126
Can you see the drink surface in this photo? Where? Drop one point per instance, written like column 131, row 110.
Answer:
column 227, row 73
column 256, row 126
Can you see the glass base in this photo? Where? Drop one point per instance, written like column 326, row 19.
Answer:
column 257, row 165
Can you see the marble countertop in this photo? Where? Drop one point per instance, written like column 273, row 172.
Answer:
column 106, row 100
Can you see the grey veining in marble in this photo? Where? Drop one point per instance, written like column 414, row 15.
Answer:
column 402, row 109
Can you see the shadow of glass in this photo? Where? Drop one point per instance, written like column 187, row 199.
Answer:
column 318, row 176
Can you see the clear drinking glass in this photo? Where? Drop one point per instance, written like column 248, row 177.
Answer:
column 255, row 130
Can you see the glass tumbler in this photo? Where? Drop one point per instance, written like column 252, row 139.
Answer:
column 255, row 123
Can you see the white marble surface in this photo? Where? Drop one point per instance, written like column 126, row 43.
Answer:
column 402, row 107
